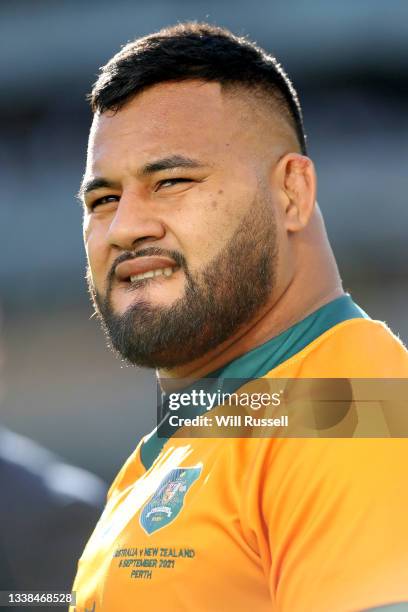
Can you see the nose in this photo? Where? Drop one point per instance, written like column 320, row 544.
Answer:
column 134, row 222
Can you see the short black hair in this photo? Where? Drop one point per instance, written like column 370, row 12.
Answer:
column 194, row 50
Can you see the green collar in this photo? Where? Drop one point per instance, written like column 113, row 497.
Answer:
column 267, row 356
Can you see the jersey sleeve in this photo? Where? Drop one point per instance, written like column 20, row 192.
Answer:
column 334, row 524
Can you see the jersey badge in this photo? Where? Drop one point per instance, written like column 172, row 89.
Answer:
column 167, row 502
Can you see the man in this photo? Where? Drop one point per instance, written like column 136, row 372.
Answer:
column 208, row 258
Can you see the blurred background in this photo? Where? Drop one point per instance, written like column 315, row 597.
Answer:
column 349, row 63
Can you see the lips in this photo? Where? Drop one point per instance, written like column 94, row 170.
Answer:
column 140, row 265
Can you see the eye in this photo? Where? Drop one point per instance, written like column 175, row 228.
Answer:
column 170, row 182
column 103, row 200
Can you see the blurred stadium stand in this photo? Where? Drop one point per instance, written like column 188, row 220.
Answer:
column 349, row 63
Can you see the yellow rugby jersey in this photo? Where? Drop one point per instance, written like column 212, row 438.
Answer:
column 241, row 524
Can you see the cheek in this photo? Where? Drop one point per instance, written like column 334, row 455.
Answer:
column 96, row 251
column 210, row 224
column 203, row 232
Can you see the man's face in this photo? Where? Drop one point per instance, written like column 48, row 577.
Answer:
column 177, row 191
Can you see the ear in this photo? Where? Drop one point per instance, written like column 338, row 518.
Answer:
column 297, row 182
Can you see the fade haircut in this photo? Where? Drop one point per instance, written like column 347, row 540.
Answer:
column 197, row 51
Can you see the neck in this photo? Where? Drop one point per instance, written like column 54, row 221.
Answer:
column 314, row 283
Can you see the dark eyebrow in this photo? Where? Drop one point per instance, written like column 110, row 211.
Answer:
column 168, row 163
column 96, row 183
column 165, row 163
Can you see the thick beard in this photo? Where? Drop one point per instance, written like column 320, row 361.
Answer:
column 227, row 294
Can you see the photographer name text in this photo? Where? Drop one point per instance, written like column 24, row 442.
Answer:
column 228, row 421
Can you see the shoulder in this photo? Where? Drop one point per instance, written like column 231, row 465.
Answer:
column 360, row 348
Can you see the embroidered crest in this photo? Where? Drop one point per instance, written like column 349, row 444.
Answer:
column 167, row 502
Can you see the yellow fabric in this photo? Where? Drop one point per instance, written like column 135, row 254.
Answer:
column 288, row 525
